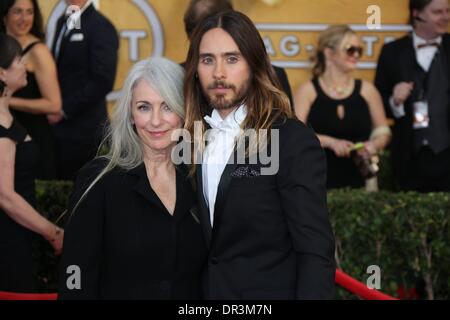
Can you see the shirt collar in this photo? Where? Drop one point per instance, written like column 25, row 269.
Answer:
column 418, row 40
column 233, row 121
column 86, row 5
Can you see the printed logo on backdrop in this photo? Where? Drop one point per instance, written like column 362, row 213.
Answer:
column 133, row 36
column 290, row 45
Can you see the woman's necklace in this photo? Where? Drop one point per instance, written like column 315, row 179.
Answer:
column 339, row 91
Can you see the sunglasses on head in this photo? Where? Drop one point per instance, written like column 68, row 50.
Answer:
column 351, row 50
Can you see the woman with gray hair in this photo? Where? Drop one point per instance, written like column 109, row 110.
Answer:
column 133, row 232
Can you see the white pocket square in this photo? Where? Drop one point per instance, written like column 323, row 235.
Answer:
column 77, row 37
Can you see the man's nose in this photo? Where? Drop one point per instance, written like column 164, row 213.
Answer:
column 219, row 70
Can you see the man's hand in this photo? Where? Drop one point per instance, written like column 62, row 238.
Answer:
column 402, row 91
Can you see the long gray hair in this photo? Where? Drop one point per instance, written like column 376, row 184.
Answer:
column 125, row 147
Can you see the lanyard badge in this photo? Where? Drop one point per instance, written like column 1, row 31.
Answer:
column 421, row 115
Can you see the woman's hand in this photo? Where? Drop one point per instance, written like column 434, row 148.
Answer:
column 57, row 240
column 371, row 148
column 341, row 148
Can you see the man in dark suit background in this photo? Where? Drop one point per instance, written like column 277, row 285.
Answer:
column 86, row 57
column 199, row 9
column 266, row 225
column 413, row 78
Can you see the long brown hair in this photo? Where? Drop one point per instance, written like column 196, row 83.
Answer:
column 199, row 9
column 265, row 100
column 37, row 29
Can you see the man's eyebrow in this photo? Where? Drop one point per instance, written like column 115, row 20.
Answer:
column 225, row 54
column 232, row 53
column 205, row 55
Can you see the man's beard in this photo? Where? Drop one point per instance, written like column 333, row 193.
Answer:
column 219, row 102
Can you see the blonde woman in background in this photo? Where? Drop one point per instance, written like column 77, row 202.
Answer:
column 341, row 109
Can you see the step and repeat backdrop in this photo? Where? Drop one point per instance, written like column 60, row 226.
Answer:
column 289, row 28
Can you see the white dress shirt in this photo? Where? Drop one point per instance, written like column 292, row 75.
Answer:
column 221, row 142
column 424, row 57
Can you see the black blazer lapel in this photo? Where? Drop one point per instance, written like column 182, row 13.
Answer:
column 407, row 64
column 59, row 26
column 409, row 61
column 143, row 188
column 204, row 210
column 222, row 192
column 446, row 49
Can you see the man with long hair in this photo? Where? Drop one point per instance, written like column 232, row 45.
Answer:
column 268, row 233
column 197, row 10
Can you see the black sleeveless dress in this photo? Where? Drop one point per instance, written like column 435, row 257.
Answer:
column 37, row 127
column 16, row 263
column 355, row 126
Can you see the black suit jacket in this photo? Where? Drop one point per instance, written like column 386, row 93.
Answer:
column 271, row 237
column 86, row 73
column 126, row 243
column 396, row 64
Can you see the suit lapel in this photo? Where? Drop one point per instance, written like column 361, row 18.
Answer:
column 408, row 64
column 222, row 192
column 64, row 42
column 59, row 26
column 143, row 188
column 446, row 49
column 204, row 211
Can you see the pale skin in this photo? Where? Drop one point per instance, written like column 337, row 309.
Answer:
column 12, row 203
column 221, row 60
column 339, row 68
column 435, row 22
column 155, row 123
column 38, row 60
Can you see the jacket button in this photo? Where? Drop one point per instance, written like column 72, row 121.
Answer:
column 214, row 260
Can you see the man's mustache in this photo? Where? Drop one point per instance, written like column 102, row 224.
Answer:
column 220, row 84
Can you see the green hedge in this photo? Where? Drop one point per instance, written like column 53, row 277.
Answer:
column 52, row 198
column 406, row 234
